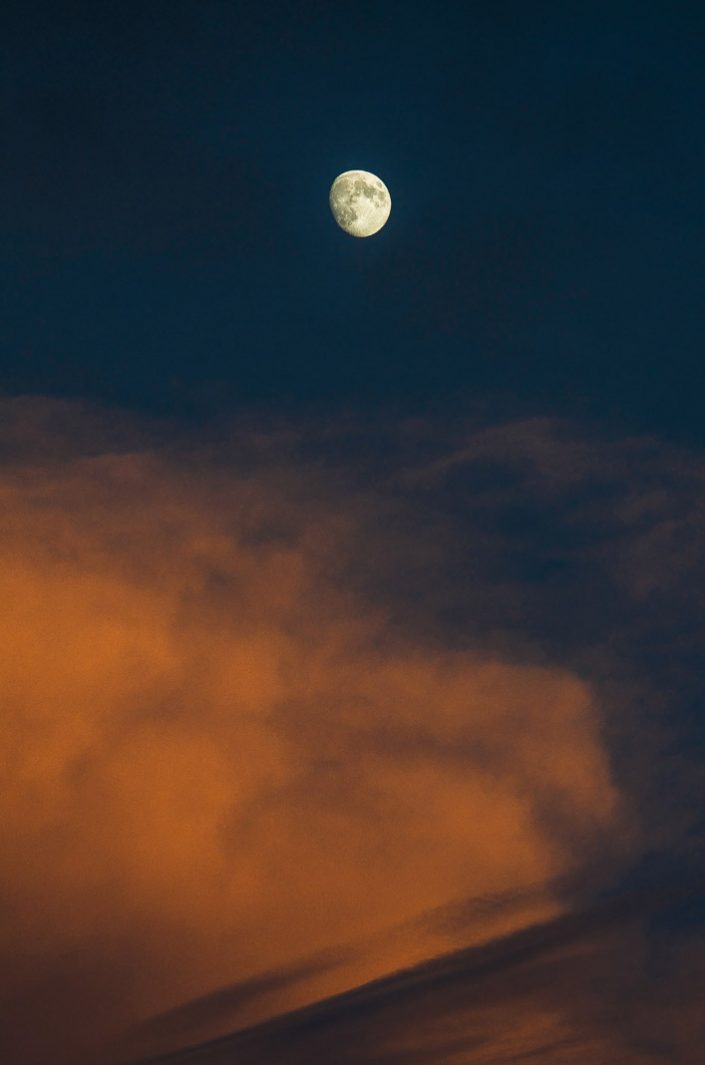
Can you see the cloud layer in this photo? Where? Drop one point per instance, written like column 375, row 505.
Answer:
column 242, row 748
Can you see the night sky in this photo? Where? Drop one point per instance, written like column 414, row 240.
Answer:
column 352, row 663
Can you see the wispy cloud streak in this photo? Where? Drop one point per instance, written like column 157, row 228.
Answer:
column 369, row 1022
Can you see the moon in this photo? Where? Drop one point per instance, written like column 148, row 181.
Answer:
column 360, row 202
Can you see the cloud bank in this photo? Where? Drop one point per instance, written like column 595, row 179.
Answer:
column 246, row 756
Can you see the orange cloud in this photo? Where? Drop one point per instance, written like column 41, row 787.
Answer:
column 218, row 757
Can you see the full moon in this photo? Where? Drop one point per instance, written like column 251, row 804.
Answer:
column 360, row 202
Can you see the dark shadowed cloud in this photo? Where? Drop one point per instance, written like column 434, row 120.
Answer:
column 228, row 1001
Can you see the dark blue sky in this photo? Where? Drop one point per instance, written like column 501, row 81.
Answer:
column 167, row 242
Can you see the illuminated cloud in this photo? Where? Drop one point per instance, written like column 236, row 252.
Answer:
column 281, row 718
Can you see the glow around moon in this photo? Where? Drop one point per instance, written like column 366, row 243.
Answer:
column 360, row 202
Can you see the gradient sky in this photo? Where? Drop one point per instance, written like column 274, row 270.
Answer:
column 352, row 660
